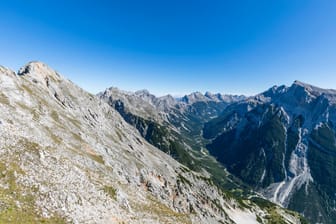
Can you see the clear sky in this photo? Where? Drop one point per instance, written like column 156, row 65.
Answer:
column 174, row 46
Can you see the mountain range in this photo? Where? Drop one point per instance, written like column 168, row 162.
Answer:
column 68, row 156
column 282, row 143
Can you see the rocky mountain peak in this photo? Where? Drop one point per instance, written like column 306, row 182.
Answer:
column 302, row 92
column 274, row 91
column 297, row 94
column 310, row 89
column 299, row 83
column 39, row 72
column 307, row 87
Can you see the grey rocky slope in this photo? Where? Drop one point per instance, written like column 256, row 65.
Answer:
column 68, row 157
column 282, row 142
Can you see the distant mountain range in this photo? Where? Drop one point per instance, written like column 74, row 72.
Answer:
column 67, row 156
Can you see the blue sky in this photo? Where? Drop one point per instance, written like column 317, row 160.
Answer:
column 175, row 46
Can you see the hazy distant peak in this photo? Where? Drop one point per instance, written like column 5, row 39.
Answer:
column 194, row 97
column 143, row 92
column 209, row 94
column 114, row 90
column 213, row 96
column 197, row 93
column 146, row 95
column 167, row 97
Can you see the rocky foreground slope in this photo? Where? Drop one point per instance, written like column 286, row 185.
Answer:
column 68, row 157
